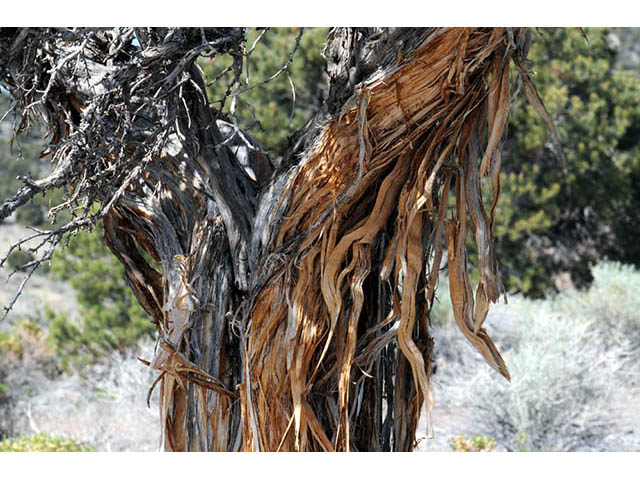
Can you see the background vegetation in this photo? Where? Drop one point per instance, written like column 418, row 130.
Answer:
column 110, row 318
column 559, row 218
column 573, row 361
column 270, row 111
column 42, row 442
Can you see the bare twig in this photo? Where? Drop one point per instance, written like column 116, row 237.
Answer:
column 284, row 68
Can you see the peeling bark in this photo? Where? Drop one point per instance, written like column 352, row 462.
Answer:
column 292, row 305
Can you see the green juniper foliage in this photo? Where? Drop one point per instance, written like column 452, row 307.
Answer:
column 110, row 317
column 554, row 218
column 269, row 118
column 20, row 159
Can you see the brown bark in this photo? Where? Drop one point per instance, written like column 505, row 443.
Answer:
column 293, row 311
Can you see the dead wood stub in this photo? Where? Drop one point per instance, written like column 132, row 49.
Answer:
column 293, row 311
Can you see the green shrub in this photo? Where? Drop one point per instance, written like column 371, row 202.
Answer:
column 563, row 371
column 19, row 258
column 28, row 328
column 552, row 219
column 477, row 443
column 23, row 336
column 4, row 388
column 43, row 442
column 110, row 319
column 612, row 303
column 26, row 346
column 31, row 214
column 10, row 344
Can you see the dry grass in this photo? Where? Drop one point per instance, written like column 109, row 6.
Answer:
column 105, row 407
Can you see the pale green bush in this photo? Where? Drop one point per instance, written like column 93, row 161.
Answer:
column 42, row 442
column 612, row 302
column 561, row 379
column 569, row 362
column 477, row 443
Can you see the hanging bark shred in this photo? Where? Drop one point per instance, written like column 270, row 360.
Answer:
column 292, row 308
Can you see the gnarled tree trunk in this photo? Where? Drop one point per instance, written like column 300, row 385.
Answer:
column 292, row 304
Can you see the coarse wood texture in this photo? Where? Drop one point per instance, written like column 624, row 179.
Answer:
column 293, row 304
